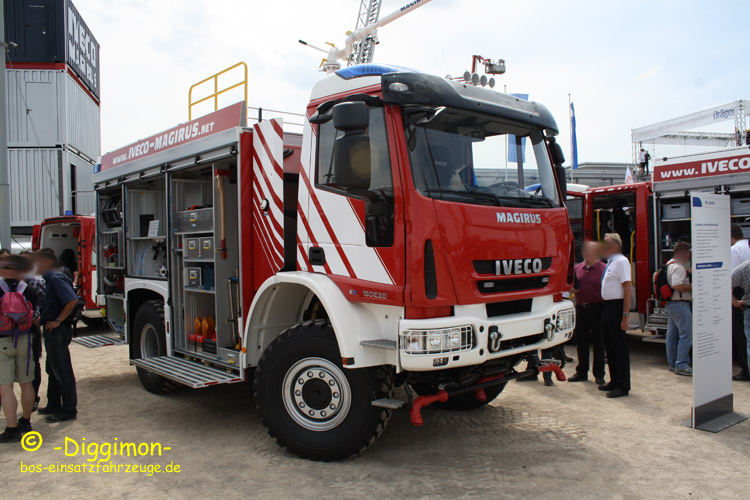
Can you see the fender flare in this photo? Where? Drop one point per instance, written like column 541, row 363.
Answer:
column 283, row 298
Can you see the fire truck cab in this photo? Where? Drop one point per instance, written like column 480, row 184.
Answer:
column 333, row 266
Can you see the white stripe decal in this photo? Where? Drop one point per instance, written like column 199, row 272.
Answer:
column 269, row 184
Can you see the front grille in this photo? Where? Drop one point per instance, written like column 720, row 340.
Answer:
column 508, row 307
column 488, row 266
column 513, row 284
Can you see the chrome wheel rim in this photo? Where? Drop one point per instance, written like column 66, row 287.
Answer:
column 149, row 342
column 316, row 394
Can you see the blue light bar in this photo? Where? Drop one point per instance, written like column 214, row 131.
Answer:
column 371, row 70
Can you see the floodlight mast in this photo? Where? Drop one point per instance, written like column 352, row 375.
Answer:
column 331, row 63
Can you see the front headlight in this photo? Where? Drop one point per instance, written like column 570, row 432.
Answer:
column 566, row 320
column 459, row 338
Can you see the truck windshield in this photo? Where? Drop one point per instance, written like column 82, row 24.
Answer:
column 479, row 159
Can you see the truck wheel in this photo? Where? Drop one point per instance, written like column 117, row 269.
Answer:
column 149, row 341
column 310, row 403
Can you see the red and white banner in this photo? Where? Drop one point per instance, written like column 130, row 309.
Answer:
column 213, row 123
column 724, row 162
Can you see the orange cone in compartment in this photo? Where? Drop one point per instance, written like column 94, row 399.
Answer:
column 211, row 332
column 198, row 330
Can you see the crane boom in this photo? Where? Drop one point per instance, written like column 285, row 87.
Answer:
column 331, row 63
column 363, row 51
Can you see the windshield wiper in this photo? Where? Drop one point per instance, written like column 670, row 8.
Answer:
column 533, row 199
column 472, row 194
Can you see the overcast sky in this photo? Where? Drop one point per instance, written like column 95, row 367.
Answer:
column 626, row 64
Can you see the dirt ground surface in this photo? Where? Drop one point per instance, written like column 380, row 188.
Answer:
column 566, row 441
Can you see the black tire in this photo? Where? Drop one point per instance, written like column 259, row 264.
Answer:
column 311, row 348
column 149, row 320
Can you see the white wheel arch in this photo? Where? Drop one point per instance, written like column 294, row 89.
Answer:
column 283, row 299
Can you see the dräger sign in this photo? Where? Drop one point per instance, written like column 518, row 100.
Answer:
column 702, row 168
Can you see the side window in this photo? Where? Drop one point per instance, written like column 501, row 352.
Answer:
column 381, row 176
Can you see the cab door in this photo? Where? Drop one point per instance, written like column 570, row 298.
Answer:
column 357, row 236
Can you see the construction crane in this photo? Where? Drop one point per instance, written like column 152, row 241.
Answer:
column 363, row 51
column 364, row 37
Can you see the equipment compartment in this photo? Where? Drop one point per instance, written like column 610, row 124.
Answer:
column 146, row 230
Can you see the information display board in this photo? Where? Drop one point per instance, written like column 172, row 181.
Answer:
column 713, row 403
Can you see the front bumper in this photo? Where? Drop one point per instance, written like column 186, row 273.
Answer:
column 511, row 327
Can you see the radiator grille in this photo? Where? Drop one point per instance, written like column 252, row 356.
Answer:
column 512, row 284
column 508, row 307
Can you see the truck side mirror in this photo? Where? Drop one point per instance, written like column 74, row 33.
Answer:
column 352, row 165
column 558, row 158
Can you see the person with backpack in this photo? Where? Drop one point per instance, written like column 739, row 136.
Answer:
column 17, row 303
column 36, row 282
column 60, row 302
column 679, row 312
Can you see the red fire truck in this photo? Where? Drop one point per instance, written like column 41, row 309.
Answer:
column 332, row 266
column 652, row 216
column 74, row 236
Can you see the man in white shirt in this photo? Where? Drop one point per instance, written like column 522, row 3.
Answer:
column 740, row 246
column 740, row 254
column 616, row 290
column 680, row 316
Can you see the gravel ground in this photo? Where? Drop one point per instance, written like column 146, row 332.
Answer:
column 566, row 441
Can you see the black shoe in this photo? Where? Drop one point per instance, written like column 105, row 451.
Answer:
column 616, row 393
column 578, row 378
column 35, row 407
column 549, row 383
column 13, row 435
column 528, row 378
column 607, row 387
column 742, row 377
column 49, row 411
column 600, row 381
column 24, row 425
column 61, row 417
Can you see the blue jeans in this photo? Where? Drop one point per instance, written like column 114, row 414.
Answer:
column 61, row 382
column 747, row 330
column 680, row 334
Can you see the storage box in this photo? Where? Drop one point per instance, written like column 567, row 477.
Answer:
column 192, row 248
column 741, row 206
column 675, row 211
column 193, row 277
column 207, row 248
column 194, row 221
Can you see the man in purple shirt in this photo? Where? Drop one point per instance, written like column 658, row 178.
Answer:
column 588, row 297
